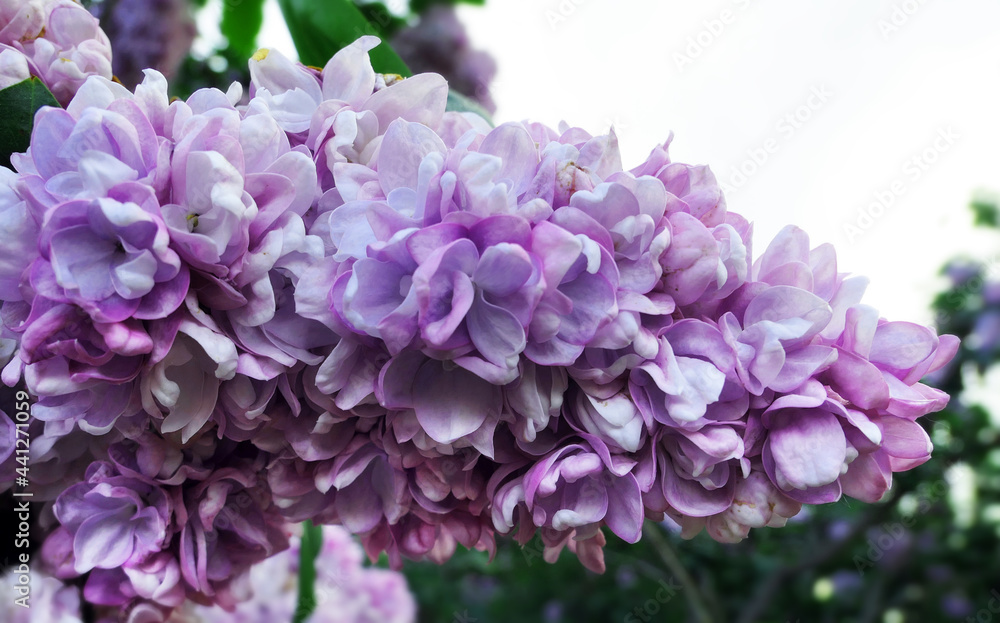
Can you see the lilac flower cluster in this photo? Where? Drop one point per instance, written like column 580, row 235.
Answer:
column 56, row 40
column 341, row 303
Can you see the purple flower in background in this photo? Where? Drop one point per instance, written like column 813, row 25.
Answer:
column 345, row 589
column 60, row 602
column 437, row 43
column 146, row 35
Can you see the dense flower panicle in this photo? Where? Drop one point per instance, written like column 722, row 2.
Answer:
column 341, row 302
column 56, row 40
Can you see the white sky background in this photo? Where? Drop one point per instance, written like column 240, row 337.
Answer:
column 639, row 65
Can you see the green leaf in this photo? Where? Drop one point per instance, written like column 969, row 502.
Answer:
column 241, row 21
column 986, row 213
column 320, row 28
column 19, row 103
column 379, row 16
column 460, row 103
column 312, row 543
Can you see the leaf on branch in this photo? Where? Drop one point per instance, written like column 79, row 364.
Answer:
column 986, row 213
column 241, row 22
column 460, row 103
column 379, row 15
column 320, row 28
column 19, row 104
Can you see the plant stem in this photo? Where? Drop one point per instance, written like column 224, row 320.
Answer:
column 662, row 546
column 312, row 542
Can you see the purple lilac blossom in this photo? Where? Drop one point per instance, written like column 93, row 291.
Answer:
column 56, row 40
column 340, row 302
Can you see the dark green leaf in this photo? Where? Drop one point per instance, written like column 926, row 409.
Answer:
column 312, row 543
column 19, row 103
column 986, row 213
column 241, row 21
column 460, row 103
column 379, row 16
column 320, row 28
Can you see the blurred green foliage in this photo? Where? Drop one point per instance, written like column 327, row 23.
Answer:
column 241, row 23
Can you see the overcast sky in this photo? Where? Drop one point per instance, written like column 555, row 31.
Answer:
column 809, row 113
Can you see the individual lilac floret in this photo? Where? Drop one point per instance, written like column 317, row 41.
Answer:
column 580, row 487
column 756, row 504
column 225, row 531
column 113, row 520
column 112, row 258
